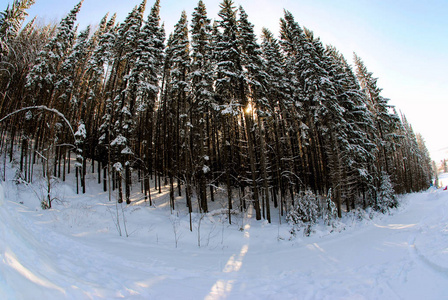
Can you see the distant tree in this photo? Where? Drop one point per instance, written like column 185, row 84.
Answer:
column 424, row 163
column 435, row 174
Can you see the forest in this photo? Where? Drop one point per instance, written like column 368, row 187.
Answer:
column 284, row 122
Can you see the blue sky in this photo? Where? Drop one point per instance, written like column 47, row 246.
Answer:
column 403, row 42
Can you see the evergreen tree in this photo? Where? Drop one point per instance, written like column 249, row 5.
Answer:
column 45, row 73
column 71, row 72
column 385, row 123
column 16, row 65
column 230, row 93
column 288, row 120
column 357, row 150
column 413, row 169
column 256, row 106
column 124, row 106
column 80, row 136
column 145, row 85
column 149, row 59
column 280, row 101
column 291, row 40
column 179, row 103
column 11, row 21
column 97, row 109
column 424, row 163
column 201, row 79
column 386, row 195
column 304, row 214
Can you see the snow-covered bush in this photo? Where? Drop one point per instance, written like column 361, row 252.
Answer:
column 19, row 178
column 386, row 198
column 358, row 215
column 330, row 211
column 304, row 214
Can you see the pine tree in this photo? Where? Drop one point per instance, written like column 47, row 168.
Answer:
column 385, row 123
column 16, row 65
column 11, row 21
column 41, row 87
column 288, row 119
column 95, row 76
column 123, row 121
column 145, row 81
column 80, row 136
column 257, row 107
column 71, row 72
column 424, row 163
column 227, row 56
column 413, row 169
column 357, row 150
column 279, row 97
column 165, row 121
column 149, row 60
column 179, row 104
column 201, row 79
column 386, row 194
column 304, row 214
column 291, row 37
column 229, row 89
column 45, row 73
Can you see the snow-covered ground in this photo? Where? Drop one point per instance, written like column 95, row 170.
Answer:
column 74, row 251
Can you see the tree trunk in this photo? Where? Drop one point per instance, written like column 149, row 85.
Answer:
column 255, row 195
column 264, row 168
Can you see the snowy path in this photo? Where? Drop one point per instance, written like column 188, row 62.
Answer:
column 404, row 256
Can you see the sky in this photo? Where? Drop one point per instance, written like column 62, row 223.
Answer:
column 402, row 42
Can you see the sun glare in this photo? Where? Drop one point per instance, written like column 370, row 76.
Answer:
column 249, row 108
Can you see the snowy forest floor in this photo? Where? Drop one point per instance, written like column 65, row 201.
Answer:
column 74, row 251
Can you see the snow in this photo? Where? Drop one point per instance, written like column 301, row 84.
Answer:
column 119, row 140
column 118, row 166
column 81, row 132
column 127, row 150
column 73, row 251
column 205, row 169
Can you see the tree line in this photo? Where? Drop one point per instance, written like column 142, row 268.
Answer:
column 208, row 108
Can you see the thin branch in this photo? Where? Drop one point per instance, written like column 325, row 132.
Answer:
column 41, row 107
